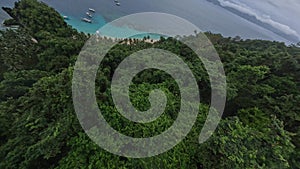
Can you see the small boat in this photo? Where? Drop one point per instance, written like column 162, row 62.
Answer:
column 66, row 17
column 118, row 4
column 88, row 14
column 92, row 10
column 116, row 1
column 86, row 20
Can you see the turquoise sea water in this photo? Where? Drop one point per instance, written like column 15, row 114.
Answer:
column 98, row 21
column 205, row 15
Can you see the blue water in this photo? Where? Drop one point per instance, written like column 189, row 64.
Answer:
column 205, row 15
column 97, row 22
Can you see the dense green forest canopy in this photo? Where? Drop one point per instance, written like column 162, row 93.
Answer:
column 39, row 128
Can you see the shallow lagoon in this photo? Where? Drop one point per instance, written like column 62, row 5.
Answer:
column 207, row 16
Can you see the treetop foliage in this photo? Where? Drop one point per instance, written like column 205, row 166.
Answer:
column 39, row 127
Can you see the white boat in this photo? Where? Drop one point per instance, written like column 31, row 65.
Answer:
column 116, row 1
column 118, row 4
column 86, row 20
column 92, row 10
column 66, row 17
column 88, row 14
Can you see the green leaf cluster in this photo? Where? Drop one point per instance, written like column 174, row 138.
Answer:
column 39, row 127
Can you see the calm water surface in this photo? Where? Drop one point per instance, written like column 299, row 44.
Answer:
column 207, row 16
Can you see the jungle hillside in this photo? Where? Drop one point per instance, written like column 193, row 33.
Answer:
column 260, row 127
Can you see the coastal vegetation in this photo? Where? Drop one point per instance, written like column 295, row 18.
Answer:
column 260, row 127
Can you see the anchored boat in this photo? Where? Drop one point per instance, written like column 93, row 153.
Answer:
column 92, row 10
column 117, row 2
column 89, row 14
column 86, row 20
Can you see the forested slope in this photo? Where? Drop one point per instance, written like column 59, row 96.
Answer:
column 39, row 128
